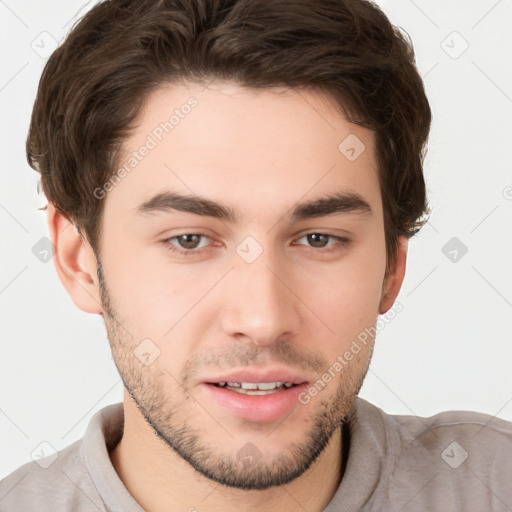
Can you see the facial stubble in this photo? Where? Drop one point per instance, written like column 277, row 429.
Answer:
column 148, row 386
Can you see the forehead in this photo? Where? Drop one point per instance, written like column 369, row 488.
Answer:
column 258, row 151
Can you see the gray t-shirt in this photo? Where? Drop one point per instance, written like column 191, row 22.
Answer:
column 450, row 461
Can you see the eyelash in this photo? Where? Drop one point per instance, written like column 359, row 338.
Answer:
column 343, row 242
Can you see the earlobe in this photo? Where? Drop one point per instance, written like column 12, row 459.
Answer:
column 74, row 261
column 394, row 278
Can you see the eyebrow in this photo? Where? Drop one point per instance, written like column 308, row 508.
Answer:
column 340, row 202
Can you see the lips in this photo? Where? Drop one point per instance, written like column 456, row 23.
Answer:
column 248, row 376
column 256, row 395
column 255, row 388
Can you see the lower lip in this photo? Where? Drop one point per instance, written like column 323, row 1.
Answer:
column 260, row 408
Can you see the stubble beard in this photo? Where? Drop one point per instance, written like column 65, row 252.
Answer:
column 167, row 418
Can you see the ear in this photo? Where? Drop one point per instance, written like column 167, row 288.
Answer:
column 394, row 277
column 75, row 261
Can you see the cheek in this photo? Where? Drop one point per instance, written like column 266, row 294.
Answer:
column 143, row 298
column 348, row 308
column 167, row 304
column 347, row 299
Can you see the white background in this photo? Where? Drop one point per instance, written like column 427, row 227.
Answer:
column 449, row 348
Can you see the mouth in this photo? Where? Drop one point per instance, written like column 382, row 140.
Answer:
column 256, row 395
column 254, row 388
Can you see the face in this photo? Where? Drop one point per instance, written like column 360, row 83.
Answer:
column 227, row 308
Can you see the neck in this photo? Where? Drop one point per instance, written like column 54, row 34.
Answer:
column 159, row 479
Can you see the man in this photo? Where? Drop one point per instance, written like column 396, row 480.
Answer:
column 232, row 185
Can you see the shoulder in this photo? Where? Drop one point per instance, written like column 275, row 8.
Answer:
column 456, row 436
column 56, row 482
column 453, row 458
column 464, row 424
column 476, row 430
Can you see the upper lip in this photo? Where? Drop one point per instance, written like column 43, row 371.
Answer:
column 259, row 375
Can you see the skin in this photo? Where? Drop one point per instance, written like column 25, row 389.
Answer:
column 298, row 304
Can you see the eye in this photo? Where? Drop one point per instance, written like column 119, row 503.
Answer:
column 321, row 240
column 190, row 243
column 186, row 243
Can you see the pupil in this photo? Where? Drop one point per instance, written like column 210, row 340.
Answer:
column 314, row 239
column 188, row 241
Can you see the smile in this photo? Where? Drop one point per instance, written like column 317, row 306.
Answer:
column 255, row 388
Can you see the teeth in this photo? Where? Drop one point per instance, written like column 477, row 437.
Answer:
column 263, row 386
column 251, row 385
column 255, row 386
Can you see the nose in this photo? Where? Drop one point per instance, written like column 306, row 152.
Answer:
column 259, row 302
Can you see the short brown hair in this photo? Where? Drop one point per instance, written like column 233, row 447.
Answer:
column 93, row 86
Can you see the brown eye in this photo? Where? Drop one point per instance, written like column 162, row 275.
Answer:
column 318, row 240
column 323, row 241
column 188, row 241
